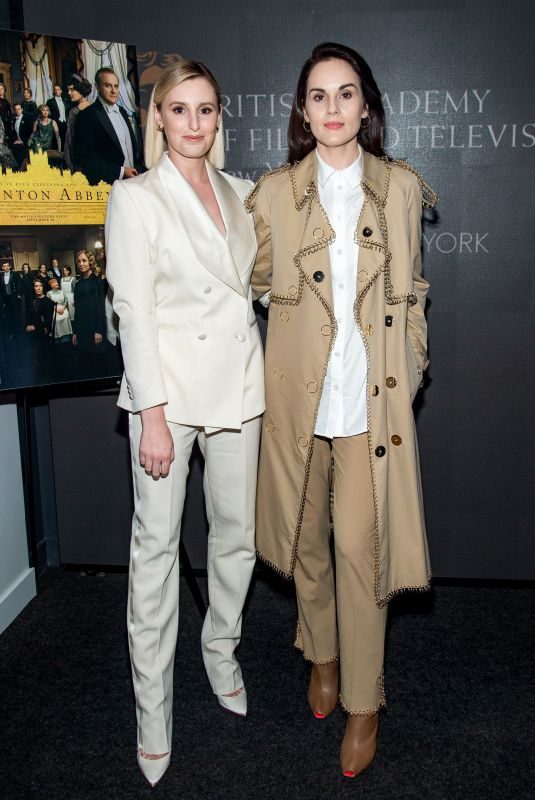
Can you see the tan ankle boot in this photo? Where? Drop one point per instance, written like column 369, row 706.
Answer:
column 323, row 689
column 359, row 744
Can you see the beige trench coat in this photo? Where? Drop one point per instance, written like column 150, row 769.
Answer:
column 293, row 234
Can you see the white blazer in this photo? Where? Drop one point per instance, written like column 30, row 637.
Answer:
column 181, row 291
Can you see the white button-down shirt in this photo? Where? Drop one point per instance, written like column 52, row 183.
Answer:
column 342, row 410
column 61, row 109
column 120, row 126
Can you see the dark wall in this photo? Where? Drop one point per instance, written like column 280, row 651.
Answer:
column 460, row 100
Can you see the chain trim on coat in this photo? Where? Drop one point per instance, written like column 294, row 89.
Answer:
column 249, row 202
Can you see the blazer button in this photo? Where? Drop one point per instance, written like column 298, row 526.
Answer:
column 367, row 232
column 318, row 233
column 292, row 291
column 202, row 337
column 395, row 439
column 270, row 427
column 312, row 387
column 391, row 382
column 302, row 441
column 326, row 330
column 278, row 373
column 380, row 451
column 368, row 330
column 240, row 337
column 318, row 276
column 362, row 275
column 284, row 316
column 374, row 390
column 389, row 320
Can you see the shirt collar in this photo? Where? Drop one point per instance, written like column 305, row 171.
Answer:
column 350, row 174
column 110, row 109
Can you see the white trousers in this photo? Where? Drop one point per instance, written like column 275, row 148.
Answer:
column 231, row 461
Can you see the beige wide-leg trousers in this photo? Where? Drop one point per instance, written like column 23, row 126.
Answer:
column 231, row 461
column 337, row 610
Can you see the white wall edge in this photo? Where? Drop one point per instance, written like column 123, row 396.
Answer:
column 16, row 597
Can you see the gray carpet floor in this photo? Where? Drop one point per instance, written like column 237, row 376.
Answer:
column 459, row 725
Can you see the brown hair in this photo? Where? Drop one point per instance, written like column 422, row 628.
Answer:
column 300, row 141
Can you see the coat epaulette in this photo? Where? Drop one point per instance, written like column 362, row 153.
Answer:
column 429, row 198
column 249, row 201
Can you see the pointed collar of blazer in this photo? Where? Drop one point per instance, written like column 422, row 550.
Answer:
column 228, row 258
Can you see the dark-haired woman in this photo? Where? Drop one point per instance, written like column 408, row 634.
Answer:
column 339, row 249
column 79, row 91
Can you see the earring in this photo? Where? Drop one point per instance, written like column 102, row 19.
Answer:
column 307, row 130
column 160, row 128
column 217, row 129
column 365, row 120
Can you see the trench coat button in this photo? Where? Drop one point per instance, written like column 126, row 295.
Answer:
column 292, row 291
column 380, row 451
column 318, row 276
column 368, row 330
column 240, row 337
column 202, row 337
column 207, row 289
column 302, row 441
column 284, row 316
column 362, row 275
column 278, row 373
column 312, row 387
column 389, row 321
column 391, row 382
column 374, row 390
column 395, row 439
column 318, row 233
column 367, row 232
column 326, row 330
column 270, row 427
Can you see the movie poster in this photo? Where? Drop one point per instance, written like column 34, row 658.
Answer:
column 69, row 127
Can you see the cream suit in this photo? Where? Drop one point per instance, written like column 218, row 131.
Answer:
column 190, row 343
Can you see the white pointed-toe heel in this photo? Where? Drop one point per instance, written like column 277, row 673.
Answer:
column 153, row 768
column 236, row 703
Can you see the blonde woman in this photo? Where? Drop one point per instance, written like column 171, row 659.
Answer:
column 180, row 251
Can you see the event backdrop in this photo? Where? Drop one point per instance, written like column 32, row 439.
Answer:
column 457, row 78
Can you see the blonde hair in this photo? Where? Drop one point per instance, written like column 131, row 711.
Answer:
column 155, row 142
column 90, row 258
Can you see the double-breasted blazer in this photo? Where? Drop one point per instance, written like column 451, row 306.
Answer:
column 293, row 234
column 188, row 332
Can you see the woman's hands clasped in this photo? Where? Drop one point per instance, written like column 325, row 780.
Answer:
column 156, row 449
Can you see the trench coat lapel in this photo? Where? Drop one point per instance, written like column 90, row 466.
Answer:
column 370, row 230
column 212, row 250
column 317, row 233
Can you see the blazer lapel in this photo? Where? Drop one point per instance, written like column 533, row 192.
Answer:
column 210, row 247
column 104, row 119
column 241, row 237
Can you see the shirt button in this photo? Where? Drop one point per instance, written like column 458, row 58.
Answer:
column 336, row 388
column 202, row 337
column 240, row 337
column 340, row 285
column 337, row 355
column 339, row 252
column 207, row 289
column 339, row 187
